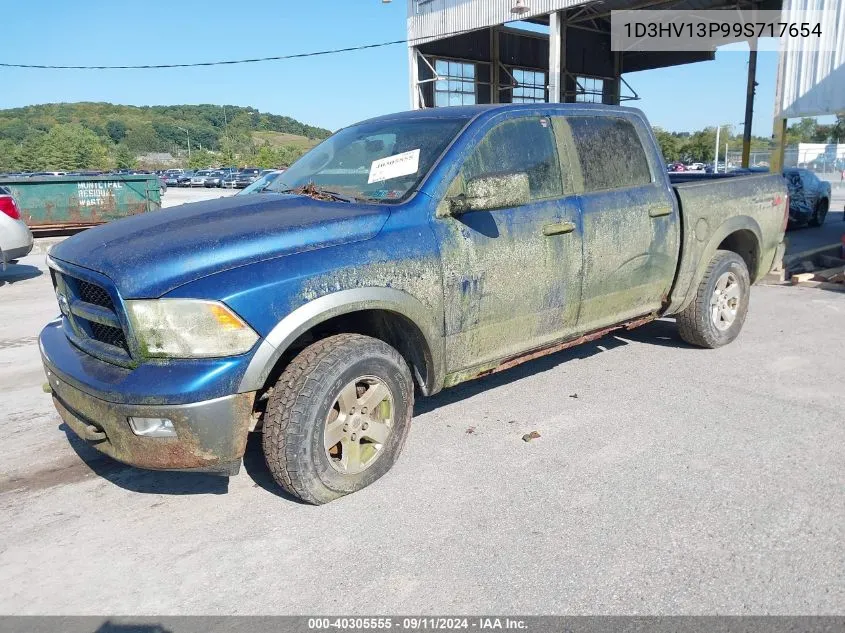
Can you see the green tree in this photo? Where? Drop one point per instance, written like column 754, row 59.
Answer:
column 28, row 155
column 801, row 132
column 8, row 151
column 266, row 157
column 200, row 159
column 143, row 138
column 123, row 157
column 116, row 130
column 669, row 144
column 71, row 146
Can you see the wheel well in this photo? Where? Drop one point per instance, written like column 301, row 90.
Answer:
column 393, row 328
column 744, row 243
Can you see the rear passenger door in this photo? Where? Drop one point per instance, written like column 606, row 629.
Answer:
column 630, row 218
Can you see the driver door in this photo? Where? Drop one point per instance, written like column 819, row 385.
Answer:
column 511, row 276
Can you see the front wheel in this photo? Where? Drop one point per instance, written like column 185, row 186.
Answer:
column 338, row 417
column 717, row 312
column 820, row 213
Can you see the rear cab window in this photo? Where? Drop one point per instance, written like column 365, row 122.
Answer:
column 605, row 152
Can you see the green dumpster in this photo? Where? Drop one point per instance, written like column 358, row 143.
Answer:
column 60, row 202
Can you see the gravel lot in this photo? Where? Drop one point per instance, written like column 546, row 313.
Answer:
column 181, row 195
column 679, row 481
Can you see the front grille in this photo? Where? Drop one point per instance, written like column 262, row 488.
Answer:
column 94, row 294
column 85, row 327
column 108, row 335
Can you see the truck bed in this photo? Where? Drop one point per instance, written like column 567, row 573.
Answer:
column 717, row 205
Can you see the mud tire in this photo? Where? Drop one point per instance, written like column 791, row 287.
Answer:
column 695, row 324
column 296, row 413
column 820, row 213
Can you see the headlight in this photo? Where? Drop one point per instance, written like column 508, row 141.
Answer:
column 188, row 328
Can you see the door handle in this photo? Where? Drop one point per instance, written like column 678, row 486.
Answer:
column 559, row 228
column 658, row 211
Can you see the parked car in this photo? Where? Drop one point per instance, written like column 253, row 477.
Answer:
column 677, row 167
column 248, row 175
column 230, row 181
column 198, row 179
column 184, row 179
column 15, row 237
column 172, row 180
column 809, row 197
column 695, row 167
column 215, row 179
column 262, row 183
column 379, row 267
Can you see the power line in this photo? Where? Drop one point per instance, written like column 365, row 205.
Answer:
column 254, row 60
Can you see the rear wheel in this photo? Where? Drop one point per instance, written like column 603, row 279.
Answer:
column 820, row 213
column 338, row 417
column 717, row 313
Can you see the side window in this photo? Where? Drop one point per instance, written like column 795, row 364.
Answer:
column 610, row 153
column 516, row 146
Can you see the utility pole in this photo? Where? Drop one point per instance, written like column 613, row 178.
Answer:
column 749, row 103
column 716, row 159
column 189, row 141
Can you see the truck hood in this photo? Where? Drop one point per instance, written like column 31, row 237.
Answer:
column 149, row 255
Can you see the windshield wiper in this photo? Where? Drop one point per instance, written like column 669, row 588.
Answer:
column 318, row 193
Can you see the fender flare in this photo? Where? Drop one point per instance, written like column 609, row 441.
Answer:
column 729, row 226
column 335, row 304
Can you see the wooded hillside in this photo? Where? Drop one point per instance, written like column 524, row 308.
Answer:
column 66, row 136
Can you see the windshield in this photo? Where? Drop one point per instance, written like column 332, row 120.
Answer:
column 382, row 161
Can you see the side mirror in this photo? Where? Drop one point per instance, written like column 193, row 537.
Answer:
column 494, row 191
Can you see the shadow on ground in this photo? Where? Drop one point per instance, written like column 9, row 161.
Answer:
column 145, row 481
column 663, row 332
column 256, row 468
column 18, row 272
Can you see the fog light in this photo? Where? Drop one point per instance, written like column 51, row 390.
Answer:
column 152, row 427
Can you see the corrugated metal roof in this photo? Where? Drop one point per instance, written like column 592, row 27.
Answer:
column 439, row 18
column 812, row 82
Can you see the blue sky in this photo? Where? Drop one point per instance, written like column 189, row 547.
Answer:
column 329, row 91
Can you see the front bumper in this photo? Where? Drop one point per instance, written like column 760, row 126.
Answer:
column 210, row 436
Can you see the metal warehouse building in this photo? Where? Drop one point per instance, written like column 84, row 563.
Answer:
column 463, row 52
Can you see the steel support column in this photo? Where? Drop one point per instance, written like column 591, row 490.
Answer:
column 495, row 75
column 779, row 138
column 555, row 48
column 413, row 78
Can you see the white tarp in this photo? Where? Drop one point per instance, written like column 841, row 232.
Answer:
column 811, row 82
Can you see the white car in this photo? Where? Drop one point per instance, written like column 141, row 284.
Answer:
column 198, row 179
column 695, row 167
column 15, row 236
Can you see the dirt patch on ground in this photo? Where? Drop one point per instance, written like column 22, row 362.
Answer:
column 68, row 470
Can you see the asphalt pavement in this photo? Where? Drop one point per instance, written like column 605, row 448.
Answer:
column 831, row 232
column 666, row 480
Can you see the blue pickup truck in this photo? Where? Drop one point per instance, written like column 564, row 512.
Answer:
column 404, row 254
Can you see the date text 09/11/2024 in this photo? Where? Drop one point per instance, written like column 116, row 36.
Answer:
column 417, row 623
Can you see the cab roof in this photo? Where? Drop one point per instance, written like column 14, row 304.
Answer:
column 473, row 111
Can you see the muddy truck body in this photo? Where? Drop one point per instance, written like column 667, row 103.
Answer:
column 402, row 255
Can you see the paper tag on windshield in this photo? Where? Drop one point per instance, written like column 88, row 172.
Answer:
column 403, row 164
